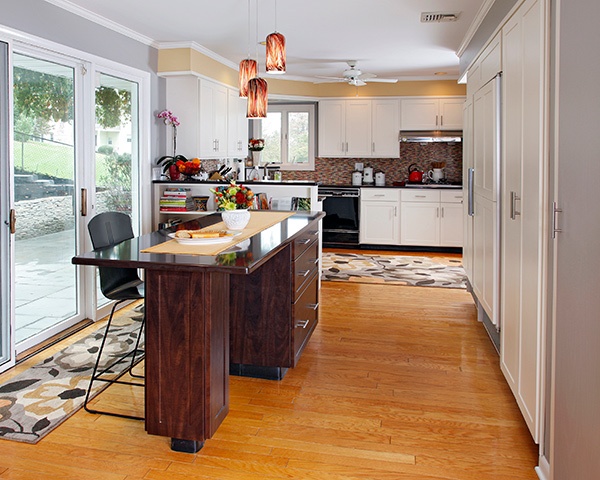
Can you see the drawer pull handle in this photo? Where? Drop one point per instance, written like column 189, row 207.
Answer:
column 303, row 273
column 420, row 196
column 302, row 323
column 315, row 261
column 314, row 306
column 304, row 241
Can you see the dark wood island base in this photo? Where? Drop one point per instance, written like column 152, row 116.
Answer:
column 267, row 296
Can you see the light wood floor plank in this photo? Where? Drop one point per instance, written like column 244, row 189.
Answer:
column 396, row 383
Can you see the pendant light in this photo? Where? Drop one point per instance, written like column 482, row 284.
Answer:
column 257, row 89
column 257, row 98
column 275, row 62
column 248, row 67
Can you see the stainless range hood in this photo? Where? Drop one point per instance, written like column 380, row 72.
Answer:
column 430, row 136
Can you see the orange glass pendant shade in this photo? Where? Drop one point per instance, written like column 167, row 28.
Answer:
column 275, row 53
column 257, row 98
column 248, row 69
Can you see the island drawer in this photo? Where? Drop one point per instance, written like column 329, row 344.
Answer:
column 306, row 315
column 304, row 241
column 380, row 194
column 305, row 267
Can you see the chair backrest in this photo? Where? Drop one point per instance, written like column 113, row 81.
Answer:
column 108, row 229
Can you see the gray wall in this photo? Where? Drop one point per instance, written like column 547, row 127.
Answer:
column 49, row 22
column 493, row 18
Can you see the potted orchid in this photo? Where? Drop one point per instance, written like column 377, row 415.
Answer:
column 169, row 162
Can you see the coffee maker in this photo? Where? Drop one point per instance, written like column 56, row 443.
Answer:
column 368, row 175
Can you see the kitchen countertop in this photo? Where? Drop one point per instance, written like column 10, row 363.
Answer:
column 441, row 186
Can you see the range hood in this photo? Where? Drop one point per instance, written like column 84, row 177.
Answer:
column 430, row 136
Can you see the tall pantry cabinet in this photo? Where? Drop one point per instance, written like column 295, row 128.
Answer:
column 506, row 252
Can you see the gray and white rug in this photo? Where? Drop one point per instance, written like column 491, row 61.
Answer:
column 39, row 399
column 437, row 271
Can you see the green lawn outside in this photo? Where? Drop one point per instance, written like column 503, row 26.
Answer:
column 48, row 159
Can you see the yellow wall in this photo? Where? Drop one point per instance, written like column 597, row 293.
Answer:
column 188, row 60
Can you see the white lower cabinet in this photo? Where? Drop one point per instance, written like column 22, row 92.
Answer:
column 379, row 210
column 419, row 217
column 431, row 218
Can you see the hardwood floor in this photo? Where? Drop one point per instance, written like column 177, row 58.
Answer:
column 396, row 383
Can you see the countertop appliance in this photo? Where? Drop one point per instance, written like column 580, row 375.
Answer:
column 341, row 207
column 380, row 179
column 356, row 178
column 414, row 174
column 368, row 175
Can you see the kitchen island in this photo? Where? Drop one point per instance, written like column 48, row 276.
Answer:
column 193, row 301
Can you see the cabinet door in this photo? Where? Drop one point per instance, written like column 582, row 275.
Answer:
column 451, row 225
column 332, row 127
column 467, row 165
column 420, row 223
column 485, row 141
column 485, row 256
column 237, row 125
column 358, row 128
column 385, row 127
column 220, row 119
column 419, row 114
column 451, row 114
column 206, row 114
column 379, row 223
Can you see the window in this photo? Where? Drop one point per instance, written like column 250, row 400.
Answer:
column 289, row 134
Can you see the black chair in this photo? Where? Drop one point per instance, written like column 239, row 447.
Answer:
column 121, row 285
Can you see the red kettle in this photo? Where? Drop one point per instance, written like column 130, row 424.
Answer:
column 414, row 174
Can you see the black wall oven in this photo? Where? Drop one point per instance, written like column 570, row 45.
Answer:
column 341, row 223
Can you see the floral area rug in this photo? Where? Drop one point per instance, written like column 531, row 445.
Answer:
column 39, row 399
column 438, row 271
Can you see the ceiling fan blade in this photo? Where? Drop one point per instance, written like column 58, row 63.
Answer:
column 329, row 80
column 382, row 80
column 366, row 76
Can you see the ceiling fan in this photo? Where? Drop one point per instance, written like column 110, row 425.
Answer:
column 354, row 76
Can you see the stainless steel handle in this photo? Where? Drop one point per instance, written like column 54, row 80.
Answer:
column 373, row 147
column 302, row 323
column 303, row 273
column 313, row 306
column 12, row 220
column 304, row 241
column 437, row 212
column 436, row 120
column 442, row 212
column 84, row 202
column 441, row 120
column 420, row 196
column 470, row 175
column 395, row 211
column 514, row 198
column 555, row 212
column 379, row 195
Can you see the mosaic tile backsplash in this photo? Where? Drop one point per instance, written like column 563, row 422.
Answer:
column 338, row 171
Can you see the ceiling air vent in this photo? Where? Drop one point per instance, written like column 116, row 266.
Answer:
column 436, row 17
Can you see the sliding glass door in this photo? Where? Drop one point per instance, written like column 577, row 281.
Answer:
column 6, row 348
column 45, row 197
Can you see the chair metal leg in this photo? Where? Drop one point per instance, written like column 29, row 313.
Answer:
column 96, row 376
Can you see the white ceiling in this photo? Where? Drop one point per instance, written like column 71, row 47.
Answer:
column 386, row 37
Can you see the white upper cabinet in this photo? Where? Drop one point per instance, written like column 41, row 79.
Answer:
column 385, row 116
column 213, row 119
column 430, row 113
column 358, row 128
column 237, row 125
column 344, row 128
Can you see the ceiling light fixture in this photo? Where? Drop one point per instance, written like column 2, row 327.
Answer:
column 275, row 62
column 257, row 89
column 248, row 67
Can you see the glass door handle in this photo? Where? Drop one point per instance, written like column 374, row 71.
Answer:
column 13, row 220
column 84, row 202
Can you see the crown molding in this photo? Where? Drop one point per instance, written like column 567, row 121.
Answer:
column 105, row 22
column 477, row 21
column 198, row 48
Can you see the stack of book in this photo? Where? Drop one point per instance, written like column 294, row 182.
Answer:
column 176, row 200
